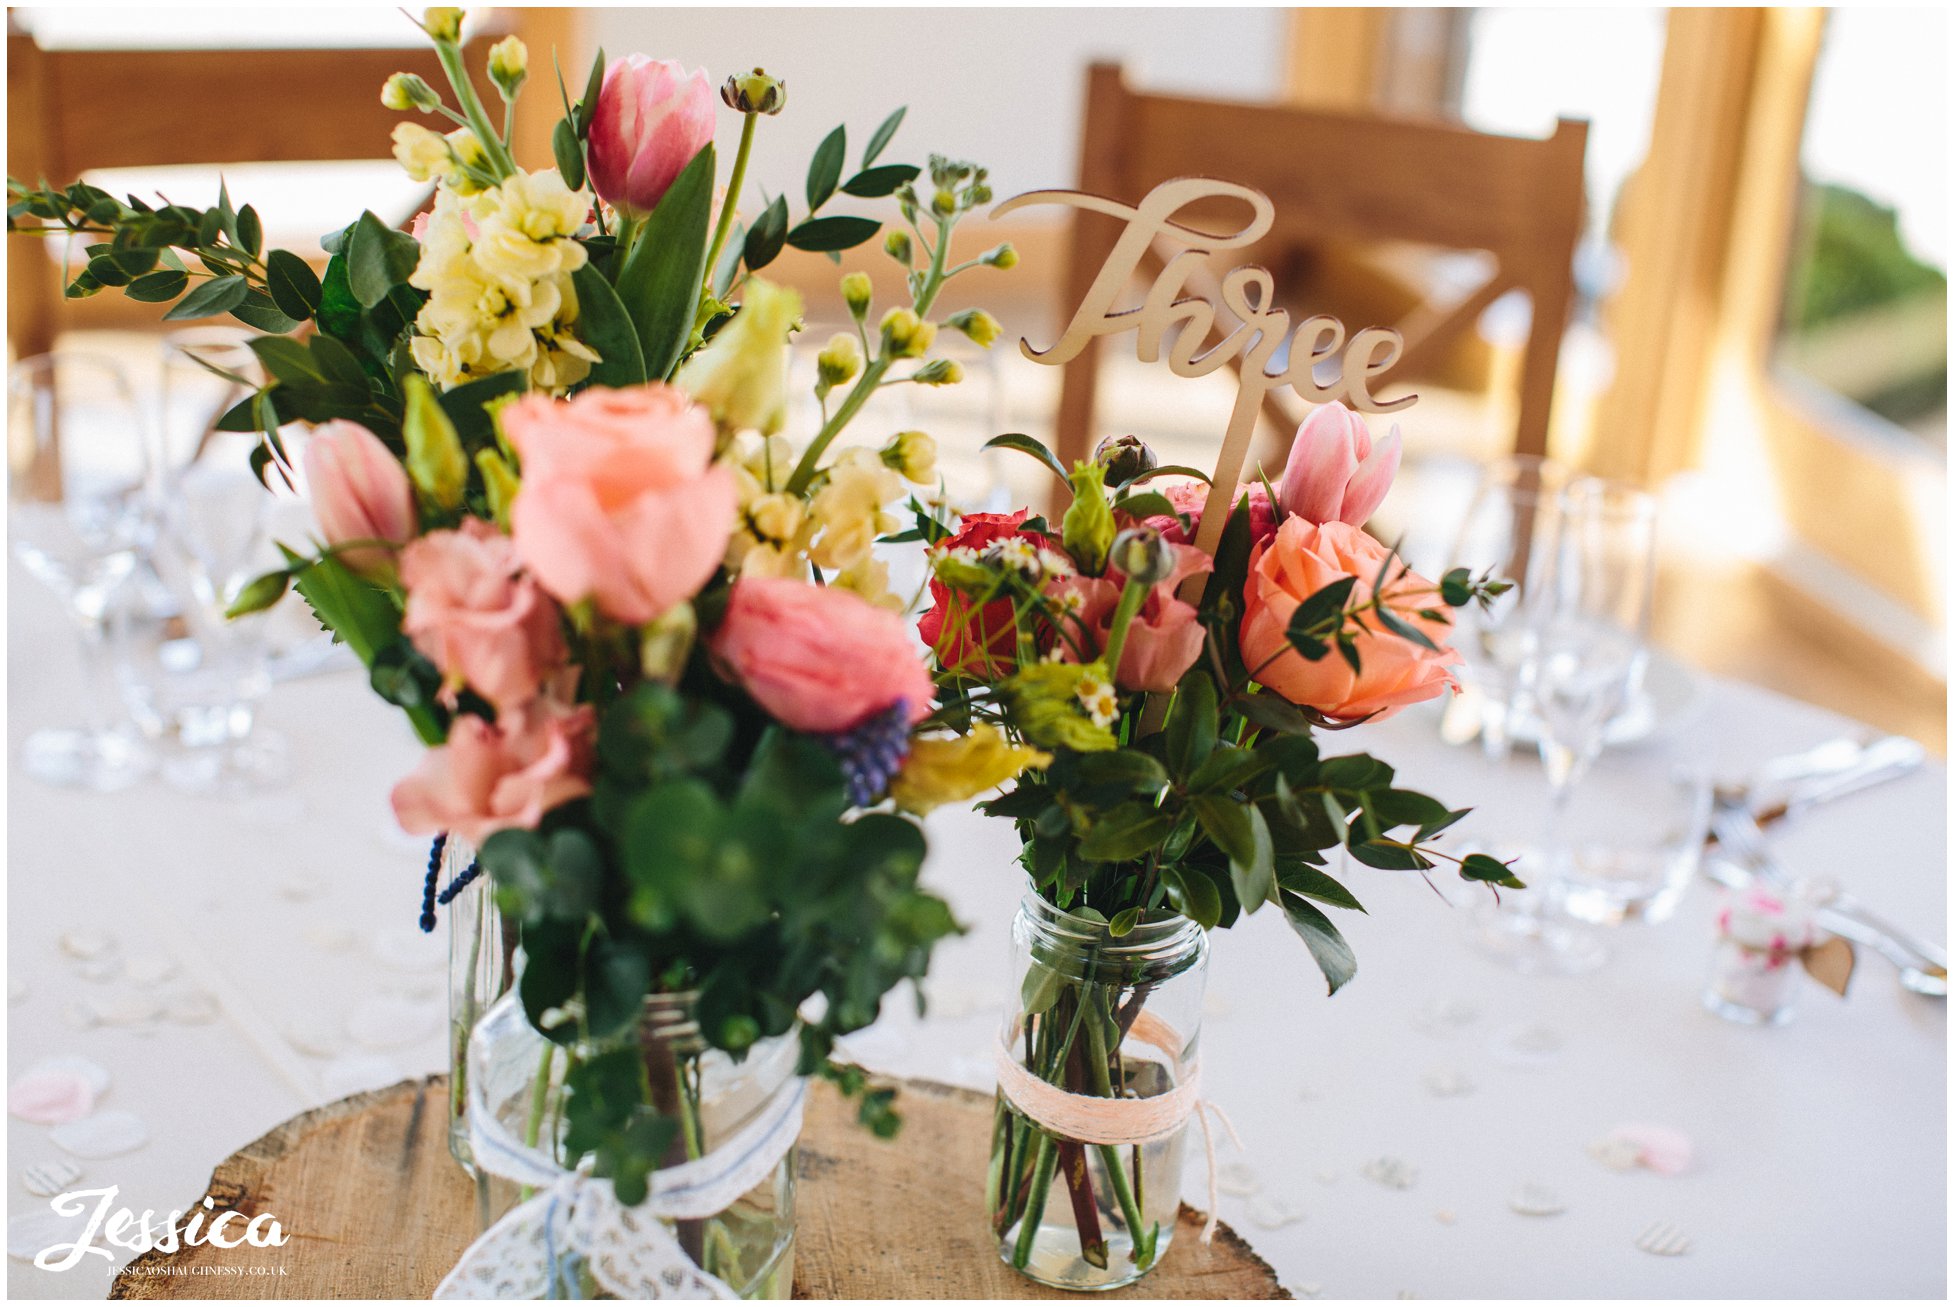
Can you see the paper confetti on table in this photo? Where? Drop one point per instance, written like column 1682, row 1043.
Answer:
column 1664, row 1239
column 46, row 1179
column 1657, row 1148
column 105, row 1134
column 1272, row 1212
column 1531, row 1199
column 1391, row 1172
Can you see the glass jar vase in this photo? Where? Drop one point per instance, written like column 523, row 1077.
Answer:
column 737, row 1122
column 1098, row 1068
column 481, row 969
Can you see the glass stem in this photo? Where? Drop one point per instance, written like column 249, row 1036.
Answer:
column 91, row 627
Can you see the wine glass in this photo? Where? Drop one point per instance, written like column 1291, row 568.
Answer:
column 80, row 518
column 1508, row 528
column 1587, row 620
column 191, row 677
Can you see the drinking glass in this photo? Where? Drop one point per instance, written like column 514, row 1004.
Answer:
column 191, row 677
column 1508, row 527
column 1587, row 619
column 80, row 517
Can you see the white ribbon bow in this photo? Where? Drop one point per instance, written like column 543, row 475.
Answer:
column 528, row 1254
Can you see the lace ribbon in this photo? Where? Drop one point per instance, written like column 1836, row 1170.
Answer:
column 1122, row 1122
column 526, row 1255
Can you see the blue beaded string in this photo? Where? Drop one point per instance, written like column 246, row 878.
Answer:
column 429, row 895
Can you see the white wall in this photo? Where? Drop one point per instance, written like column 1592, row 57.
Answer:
column 1003, row 87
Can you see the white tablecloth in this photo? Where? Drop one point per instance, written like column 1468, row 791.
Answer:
column 1821, row 1157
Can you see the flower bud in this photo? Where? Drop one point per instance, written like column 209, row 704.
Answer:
column 741, row 375
column 1088, row 527
column 508, row 65
column 405, row 91
column 423, row 153
column 897, row 246
column 500, row 481
column 776, row 516
column 651, row 120
column 978, row 325
column 436, row 462
column 939, row 372
column 442, row 24
column 837, row 364
column 944, row 203
column 1144, row 555
column 912, row 453
column 666, row 642
column 754, row 92
column 1004, row 257
column 858, row 292
column 906, row 336
column 1124, row 457
column 467, row 158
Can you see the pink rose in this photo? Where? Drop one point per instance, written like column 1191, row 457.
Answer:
column 651, row 120
column 488, row 778
column 1335, row 473
column 820, row 659
column 621, row 502
column 1164, row 638
column 359, row 491
column 1191, row 497
column 477, row 617
column 1301, row 559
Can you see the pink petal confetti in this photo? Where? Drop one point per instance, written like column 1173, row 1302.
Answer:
column 1657, row 1148
column 51, row 1097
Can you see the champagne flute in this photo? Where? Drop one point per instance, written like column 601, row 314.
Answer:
column 80, row 518
column 1508, row 528
column 1587, row 624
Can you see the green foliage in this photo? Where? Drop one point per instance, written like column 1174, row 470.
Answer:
column 664, row 269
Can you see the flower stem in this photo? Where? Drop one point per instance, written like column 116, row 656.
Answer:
column 471, row 105
column 732, row 204
column 1130, row 600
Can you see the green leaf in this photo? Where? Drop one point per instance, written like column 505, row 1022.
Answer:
column 260, row 593
column 378, row 258
column 467, row 405
column 1388, row 857
column 873, row 183
column 593, row 86
column 879, row 139
column 293, row 285
column 1123, row 767
column 603, row 324
column 1298, row 877
column 1456, row 587
column 1241, row 832
column 250, row 231
column 1147, row 504
column 1406, row 808
column 357, row 612
column 218, row 295
column 825, row 169
column 339, row 310
column 259, row 311
column 1192, row 723
column 1123, row 922
column 767, row 235
column 1485, row 867
column 1271, row 713
column 1193, row 895
column 1126, row 833
column 569, row 153
column 661, row 276
column 157, row 287
column 1314, row 611
column 1325, row 943
column 1355, row 771
column 1040, row 989
column 1405, row 630
column 833, row 234
column 1028, row 445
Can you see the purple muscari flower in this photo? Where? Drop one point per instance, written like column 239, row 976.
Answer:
column 872, row 753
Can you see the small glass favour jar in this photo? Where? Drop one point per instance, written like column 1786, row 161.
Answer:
column 1098, row 1077
column 1761, row 936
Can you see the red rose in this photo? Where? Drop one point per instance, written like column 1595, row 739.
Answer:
column 984, row 643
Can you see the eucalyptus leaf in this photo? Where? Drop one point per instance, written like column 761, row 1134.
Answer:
column 824, row 171
column 879, row 139
column 1323, row 940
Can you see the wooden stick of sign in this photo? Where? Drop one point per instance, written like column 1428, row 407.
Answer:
column 1247, row 292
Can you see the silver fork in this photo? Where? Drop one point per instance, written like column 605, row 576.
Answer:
column 1922, row 966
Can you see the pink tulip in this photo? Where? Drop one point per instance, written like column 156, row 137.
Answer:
column 652, row 119
column 1299, row 560
column 1164, row 639
column 621, row 503
column 490, row 777
column 818, row 658
column 359, row 492
column 1335, row 473
column 477, row 617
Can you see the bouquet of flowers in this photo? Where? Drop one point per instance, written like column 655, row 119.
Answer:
column 1173, row 699
column 642, row 632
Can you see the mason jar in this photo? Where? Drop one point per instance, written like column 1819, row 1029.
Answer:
column 714, row 1100
column 1098, row 1069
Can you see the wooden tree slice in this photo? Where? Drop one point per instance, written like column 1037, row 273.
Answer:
column 374, row 1207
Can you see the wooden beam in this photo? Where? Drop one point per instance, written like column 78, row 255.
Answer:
column 1336, row 57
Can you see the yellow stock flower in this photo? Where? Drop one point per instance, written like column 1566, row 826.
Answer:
column 954, row 769
column 741, row 376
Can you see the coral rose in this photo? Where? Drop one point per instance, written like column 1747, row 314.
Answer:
column 819, row 659
column 1335, row 473
column 1301, row 559
column 984, row 643
column 490, row 777
column 621, row 503
column 1165, row 636
column 359, row 491
column 477, row 617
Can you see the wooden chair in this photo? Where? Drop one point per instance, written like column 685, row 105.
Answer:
column 71, row 110
column 1336, row 178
